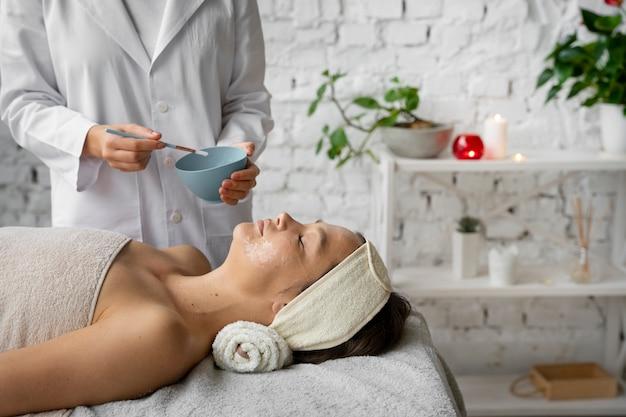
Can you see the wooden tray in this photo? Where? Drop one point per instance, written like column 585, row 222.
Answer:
column 573, row 381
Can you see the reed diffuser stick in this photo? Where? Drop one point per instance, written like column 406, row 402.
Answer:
column 589, row 217
column 578, row 215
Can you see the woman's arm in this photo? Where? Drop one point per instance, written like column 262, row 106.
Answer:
column 246, row 110
column 117, row 358
column 30, row 103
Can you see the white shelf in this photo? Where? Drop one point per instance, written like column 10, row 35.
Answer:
column 539, row 281
column 536, row 160
column 490, row 396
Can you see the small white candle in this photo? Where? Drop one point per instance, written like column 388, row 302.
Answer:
column 518, row 157
column 495, row 137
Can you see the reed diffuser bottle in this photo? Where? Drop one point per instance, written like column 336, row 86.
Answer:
column 582, row 271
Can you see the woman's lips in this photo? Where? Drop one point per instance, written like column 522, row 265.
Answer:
column 260, row 224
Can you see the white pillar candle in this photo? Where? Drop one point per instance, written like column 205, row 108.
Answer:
column 502, row 263
column 495, row 137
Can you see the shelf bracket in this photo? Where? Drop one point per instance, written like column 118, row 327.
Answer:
column 618, row 235
column 615, row 337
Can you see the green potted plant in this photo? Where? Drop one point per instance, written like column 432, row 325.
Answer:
column 394, row 116
column 597, row 69
column 466, row 246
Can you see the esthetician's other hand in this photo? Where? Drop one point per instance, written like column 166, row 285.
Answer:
column 122, row 153
column 241, row 182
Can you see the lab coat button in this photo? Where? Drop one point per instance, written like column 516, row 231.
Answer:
column 169, row 162
column 176, row 217
column 162, row 106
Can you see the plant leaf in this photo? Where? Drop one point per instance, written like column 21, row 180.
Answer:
column 332, row 153
column 563, row 71
column 366, row 102
column 412, row 102
column 572, row 55
column 591, row 101
column 321, row 91
column 318, row 148
column 338, row 138
column 312, row 107
column 600, row 24
column 326, row 73
column 577, row 88
column 589, row 19
column 391, row 95
column 608, row 24
column 616, row 94
column 553, row 92
column 337, row 76
column 389, row 120
column 560, row 46
column 407, row 91
column 544, row 77
column 325, row 129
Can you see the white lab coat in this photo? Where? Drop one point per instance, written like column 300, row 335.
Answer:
column 66, row 65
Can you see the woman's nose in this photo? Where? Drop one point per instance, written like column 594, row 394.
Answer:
column 284, row 220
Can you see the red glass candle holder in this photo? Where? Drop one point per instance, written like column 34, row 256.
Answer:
column 468, row 146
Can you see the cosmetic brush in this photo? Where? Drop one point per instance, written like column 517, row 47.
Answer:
column 169, row 145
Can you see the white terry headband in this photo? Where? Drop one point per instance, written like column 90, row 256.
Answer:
column 325, row 315
column 338, row 305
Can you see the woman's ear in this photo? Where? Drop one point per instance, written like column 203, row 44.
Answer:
column 277, row 306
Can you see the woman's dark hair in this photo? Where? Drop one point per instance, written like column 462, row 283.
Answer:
column 379, row 335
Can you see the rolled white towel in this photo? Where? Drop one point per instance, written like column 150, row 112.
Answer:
column 265, row 348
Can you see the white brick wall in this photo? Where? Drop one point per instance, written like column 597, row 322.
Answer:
column 470, row 58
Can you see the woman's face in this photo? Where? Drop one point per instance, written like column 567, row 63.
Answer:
column 280, row 257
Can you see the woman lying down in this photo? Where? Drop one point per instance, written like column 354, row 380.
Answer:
column 90, row 316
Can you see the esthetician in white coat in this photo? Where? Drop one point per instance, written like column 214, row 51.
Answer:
column 190, row 70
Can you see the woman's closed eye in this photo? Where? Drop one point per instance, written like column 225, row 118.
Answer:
column 301, row 241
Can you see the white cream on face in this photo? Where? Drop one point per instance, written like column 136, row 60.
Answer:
column 261, row 252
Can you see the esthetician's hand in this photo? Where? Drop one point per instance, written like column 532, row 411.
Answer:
column 241, row 182
column 122, row 153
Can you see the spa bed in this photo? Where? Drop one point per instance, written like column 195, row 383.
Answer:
column 412, row 380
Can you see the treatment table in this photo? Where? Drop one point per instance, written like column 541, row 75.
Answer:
column 411, row 380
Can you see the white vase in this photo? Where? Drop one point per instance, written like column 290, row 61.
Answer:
column 613, row 128
column 465, row 254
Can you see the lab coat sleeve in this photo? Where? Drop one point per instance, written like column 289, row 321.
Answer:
column 30, row 103
column 246, row 114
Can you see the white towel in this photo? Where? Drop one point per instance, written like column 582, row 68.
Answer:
column 266, row 349
column 50, row 279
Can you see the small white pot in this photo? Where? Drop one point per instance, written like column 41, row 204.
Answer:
column 613, row 128
column 502, row 265
column 465, row 254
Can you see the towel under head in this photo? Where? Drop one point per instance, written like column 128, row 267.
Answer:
column 338, row 305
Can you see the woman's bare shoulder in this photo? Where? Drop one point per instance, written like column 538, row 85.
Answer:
column 160, row 326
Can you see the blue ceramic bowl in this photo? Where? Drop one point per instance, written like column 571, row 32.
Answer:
column 203, row 175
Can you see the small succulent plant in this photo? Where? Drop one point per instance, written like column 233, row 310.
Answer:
column 468, row 224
